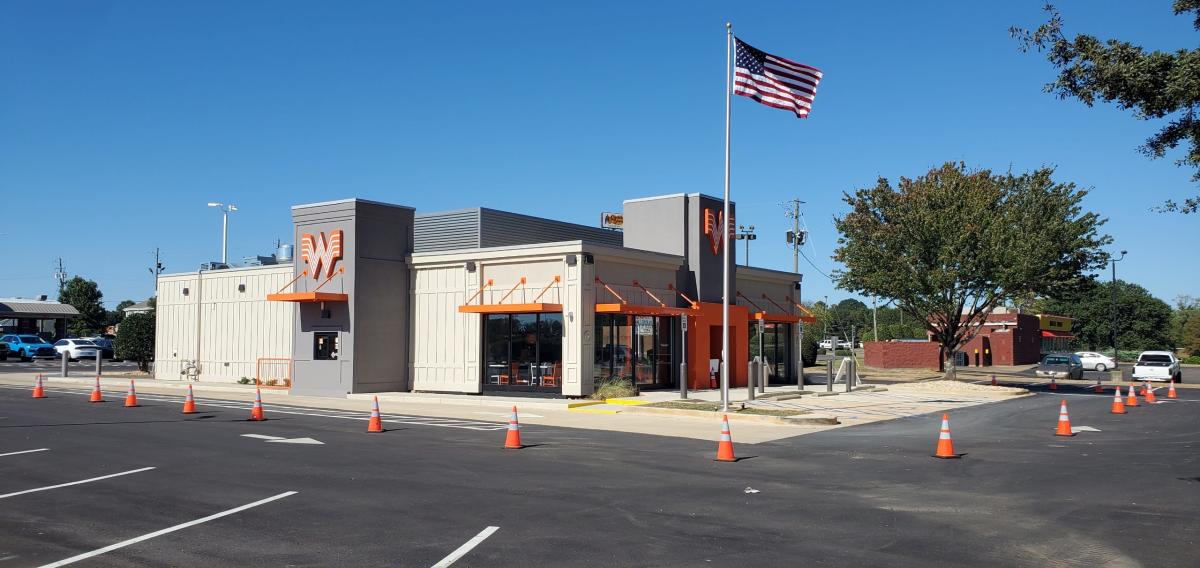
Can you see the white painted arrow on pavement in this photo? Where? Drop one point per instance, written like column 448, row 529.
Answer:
column 282, row 440
column 1077, row 429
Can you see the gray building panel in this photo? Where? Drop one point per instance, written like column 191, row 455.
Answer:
column 674, row 224
column 485, row 228
column 446, row 230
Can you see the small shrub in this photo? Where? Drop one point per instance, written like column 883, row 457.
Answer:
column 272, row 382
column 1192, row 360
column 613, row 388
column 244, row 381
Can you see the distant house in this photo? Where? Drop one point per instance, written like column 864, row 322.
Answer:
column 142, row 307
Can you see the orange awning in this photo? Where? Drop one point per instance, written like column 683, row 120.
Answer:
column 776, row 318
column 639, row 310
column 509, row 308
column 308, row 297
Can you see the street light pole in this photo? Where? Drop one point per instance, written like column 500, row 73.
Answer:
column 745, row 233
column 225, row 211
column 1113, row 327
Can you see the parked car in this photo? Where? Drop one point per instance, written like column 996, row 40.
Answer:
column 76, row 349
column 825, row 344
column 1093, row 361
column 1060, row 366
column 29, row 347
column 1157, row 366
column 105, row 345
column 3, row 351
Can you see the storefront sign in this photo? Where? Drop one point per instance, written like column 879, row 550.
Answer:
column 645, row 325
column 319, row 252
column 612, row 220
column 711, row 223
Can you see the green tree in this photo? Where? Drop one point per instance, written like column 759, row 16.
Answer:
column 1187, row 324
column 951, row 245
column 1155, row 85
column 115, row 315
column 135, row 340
column 86, row 297
column 1143, row 321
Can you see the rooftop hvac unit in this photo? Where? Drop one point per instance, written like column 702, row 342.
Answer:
column 214, row 266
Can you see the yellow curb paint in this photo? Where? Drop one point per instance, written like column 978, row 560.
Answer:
column 583, row 404
column 626, row 401
column 594, row 410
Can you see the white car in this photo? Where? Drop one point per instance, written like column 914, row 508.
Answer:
column 825, row 344
column 1157, row 366
column 76, row 348
column 1093, row 361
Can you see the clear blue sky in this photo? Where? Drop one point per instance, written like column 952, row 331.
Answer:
column 120, row 120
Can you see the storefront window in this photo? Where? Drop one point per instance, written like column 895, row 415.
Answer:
column 523, row 352
column 633, row 348
column 325, row 346
column 776, row 350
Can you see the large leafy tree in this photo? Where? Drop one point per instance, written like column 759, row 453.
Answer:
column 1143, row 321
column 953, row 244
column 1155, row 85
column 86, row 297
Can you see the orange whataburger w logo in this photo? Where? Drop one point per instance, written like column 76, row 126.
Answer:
column 711, row 223
column 321, row 252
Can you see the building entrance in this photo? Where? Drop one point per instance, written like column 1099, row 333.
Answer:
column 634, row 348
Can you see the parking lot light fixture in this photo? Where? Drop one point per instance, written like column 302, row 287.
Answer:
column 225, row 210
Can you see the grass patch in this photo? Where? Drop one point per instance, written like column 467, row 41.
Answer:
column 613, row 388
column 707, row 406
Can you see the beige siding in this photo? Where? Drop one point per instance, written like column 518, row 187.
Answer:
column 236, row 328
column 445, row 342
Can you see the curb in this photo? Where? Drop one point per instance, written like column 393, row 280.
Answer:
column 760, row 418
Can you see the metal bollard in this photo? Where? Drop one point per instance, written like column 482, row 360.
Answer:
column 762, row 377
column 683, row 378
column 65, row 358
column 99, row 362
column 848, row 364
column 829, row 375
column 752, row 372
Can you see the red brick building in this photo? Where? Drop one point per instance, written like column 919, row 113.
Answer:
column 1005, row 338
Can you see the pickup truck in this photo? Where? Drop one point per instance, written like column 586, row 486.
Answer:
column 29, row 347
column 1157, row 366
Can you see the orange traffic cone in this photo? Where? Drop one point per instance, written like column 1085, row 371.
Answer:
column 189, row 403
column 994, row 383
column 1064, row 422
column 725, row 446
column 96, row 396
column 131, row 398
column 39, row 392
column 376, row 423
column 1149, row 394
column 1171, row 392
column 1053, row 385
column 1131, row 400
column 256, row 411
column 945, row 445
column 1118, row 407
column 513, row 440
column 1099, row 388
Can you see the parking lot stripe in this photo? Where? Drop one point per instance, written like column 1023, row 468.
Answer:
column 466, row 547
column 25, row 452
column 49, row 487
column 167, row 530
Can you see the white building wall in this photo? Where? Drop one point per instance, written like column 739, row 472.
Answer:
column 235, row 327
column 445, row 342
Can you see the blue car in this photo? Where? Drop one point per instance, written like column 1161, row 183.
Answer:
column 29, row 347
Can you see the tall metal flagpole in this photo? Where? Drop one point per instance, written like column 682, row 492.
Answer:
column 725, row 226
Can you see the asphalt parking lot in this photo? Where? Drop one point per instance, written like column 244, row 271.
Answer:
column 426, row 492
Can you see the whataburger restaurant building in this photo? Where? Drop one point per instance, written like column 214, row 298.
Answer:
column 381, row 298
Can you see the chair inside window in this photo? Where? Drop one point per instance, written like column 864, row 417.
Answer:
column 552, row 379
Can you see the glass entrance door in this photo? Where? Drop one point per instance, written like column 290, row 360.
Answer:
column 633, row 348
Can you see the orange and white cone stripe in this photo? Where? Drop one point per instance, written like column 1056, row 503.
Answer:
column 39, row 391
column 512, row 440
column 1171, row 392
column 725, row 445
column 945, row 445
column 1118, row 406
column 1132, row 399
column 97, row 396
column 1064, row 422
column 256, row 411
column 375, row 424
column 1148, row 393
column 189, row 403
column 131, row 396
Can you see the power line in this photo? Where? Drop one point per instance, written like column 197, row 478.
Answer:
column 819, row 271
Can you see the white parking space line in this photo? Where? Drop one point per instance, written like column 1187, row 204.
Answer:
column 167, row 530
column 49, row 487
column 466, row 547
column 25, row 452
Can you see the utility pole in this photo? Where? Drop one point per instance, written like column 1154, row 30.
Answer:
column 795, row 237
column 745, row 233
column 156, row 270
column 60, row 274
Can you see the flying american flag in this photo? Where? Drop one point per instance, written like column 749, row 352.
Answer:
column 774, row 81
